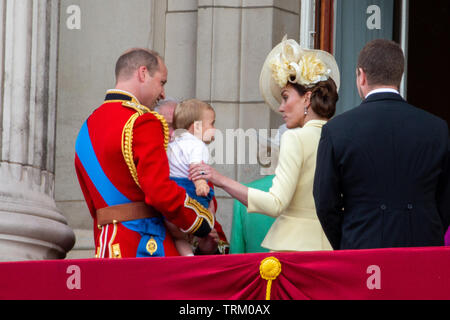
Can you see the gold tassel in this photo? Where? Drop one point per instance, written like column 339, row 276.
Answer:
column 269, row 269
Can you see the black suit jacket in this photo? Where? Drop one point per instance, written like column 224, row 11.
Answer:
column 383, row 177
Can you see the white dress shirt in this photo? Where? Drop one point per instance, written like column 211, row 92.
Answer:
column 186, row 149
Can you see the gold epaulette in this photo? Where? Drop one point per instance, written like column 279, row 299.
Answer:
column 127, row 135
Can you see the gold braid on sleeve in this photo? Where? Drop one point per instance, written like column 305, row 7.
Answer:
column 202, row 214
column 127, row 135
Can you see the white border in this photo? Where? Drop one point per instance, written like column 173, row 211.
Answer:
column 404, row 45
column 307, row 24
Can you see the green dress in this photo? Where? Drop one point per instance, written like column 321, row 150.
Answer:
column 248, row 230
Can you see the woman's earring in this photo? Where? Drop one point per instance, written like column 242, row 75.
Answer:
column 306, row 111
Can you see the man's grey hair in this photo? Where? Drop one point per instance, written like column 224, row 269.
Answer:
column 165, row 101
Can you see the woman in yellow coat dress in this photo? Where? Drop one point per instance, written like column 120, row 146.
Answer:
column 301, row 84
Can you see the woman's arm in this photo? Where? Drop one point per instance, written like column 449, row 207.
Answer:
column 270, row 203
column 284, row 185
column 232, row 187
column 236, row 190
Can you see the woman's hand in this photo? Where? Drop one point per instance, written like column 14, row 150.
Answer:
column 234, row 188
column 204, row 171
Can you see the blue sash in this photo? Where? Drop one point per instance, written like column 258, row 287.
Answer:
column 86, row 154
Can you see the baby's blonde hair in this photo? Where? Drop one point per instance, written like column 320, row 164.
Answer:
column 189, row 111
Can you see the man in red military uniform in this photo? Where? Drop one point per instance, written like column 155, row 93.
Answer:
column 123, row 171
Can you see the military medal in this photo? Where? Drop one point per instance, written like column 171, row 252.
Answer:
column 152, row 246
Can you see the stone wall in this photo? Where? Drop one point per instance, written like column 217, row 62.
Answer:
column 214, row 51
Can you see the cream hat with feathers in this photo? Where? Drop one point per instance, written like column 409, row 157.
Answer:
column 289, row 63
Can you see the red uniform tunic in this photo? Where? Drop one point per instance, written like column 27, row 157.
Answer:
column 121, row 158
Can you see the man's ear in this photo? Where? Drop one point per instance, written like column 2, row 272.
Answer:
column 362, row 77
column 142, row 73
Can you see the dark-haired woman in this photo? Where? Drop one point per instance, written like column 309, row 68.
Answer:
column 302, row 85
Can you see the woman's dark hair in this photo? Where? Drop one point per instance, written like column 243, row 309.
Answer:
column 324, row 97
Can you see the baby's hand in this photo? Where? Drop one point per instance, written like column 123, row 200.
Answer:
column 202, row 190
column 201, row 187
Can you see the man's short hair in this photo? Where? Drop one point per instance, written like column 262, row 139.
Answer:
column 383, row 62
column 135, row 58
column 189, row 111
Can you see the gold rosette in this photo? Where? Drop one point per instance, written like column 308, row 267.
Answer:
column 269, row 269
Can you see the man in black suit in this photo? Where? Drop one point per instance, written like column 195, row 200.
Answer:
column 383, row 174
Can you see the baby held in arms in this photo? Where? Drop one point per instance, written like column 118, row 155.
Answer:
column 193, row 122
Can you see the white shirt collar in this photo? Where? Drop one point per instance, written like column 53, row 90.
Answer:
column 382, row 90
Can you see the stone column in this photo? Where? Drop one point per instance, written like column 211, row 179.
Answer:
column 31, row 228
